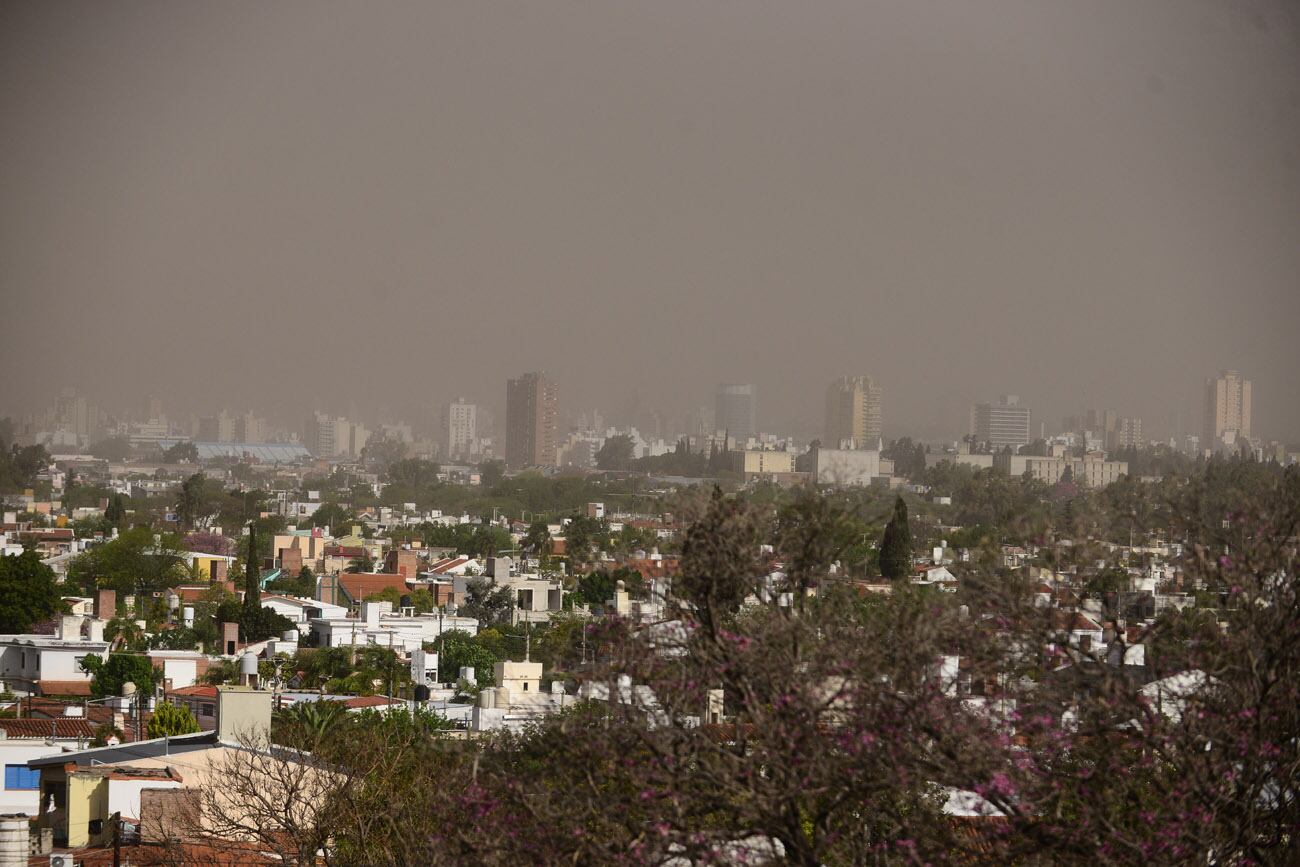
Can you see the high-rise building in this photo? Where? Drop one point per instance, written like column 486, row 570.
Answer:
column 330, row 437
column 735, row 411
column 1001, row 424
column 219, row 428
column 852, row 413
column 1227, row 410
column 531, row 405
column 1128, row 433
column 250, row 429
column 460, row 428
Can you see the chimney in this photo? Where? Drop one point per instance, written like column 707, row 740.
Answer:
column 105, row 604
column 229, row 638
column 70, row 627
column 96, row 630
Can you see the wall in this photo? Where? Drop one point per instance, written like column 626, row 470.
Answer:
column 18, row 751
column 124, row 795
column 845, row 467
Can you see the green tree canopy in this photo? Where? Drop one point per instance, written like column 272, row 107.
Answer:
column 616, row 454
column 134, row 561
column 114, row 449
column 896, row 545
column 28, row 593
column 169, row 720
column 108, row 678
column 182, row 452
column 413, row 473
column 491, row 473
column 458, row 649
column 486, row 602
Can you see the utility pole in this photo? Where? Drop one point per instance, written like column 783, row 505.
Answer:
column 117, row 839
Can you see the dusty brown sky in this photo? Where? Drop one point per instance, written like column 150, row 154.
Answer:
column 381, row 204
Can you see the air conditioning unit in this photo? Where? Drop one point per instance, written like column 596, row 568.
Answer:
column 61, row 860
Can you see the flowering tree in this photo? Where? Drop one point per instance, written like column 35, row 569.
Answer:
column 819, row 725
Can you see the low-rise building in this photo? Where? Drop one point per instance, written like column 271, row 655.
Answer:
column 846, row 466
column 51, row 665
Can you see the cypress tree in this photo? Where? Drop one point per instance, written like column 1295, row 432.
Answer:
column 896, row 545
column 252, row 585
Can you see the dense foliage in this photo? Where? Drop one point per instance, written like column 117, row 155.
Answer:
column 28, row 593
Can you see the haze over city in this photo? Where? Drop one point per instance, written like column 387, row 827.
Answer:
column 294, row 206
column 833, row 432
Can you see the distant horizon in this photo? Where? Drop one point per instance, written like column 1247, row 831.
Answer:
column 377, row 208
column 424, row 420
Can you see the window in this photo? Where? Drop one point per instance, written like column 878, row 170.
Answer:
column 21, row 777
column 207, row 710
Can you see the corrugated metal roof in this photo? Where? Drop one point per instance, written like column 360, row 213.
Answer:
column 276, row 453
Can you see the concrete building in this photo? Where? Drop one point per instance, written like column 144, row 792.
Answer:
column 219, row 428
column 846, row 466
column 250, row 429
column 1089, row 471
column 1128, row 432
column 531, row 408
column 962, row 457
column 331, row 437
column 736, row 407
column 1227, row 410
column 22, row 740
column 1001, row 424
column 761, row 462
column 853, row 418
column 460, row 429
column 51, row 665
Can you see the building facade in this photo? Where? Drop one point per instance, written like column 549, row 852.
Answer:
column 460, row 428
column 1001, row 424
column 736, row 411
column 531, row 409
column 853, row 418
column 1227, row 410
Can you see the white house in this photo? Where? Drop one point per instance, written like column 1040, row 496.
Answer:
column 51, row 665
column 302, row 611
column 24, row 739
column 379, row 627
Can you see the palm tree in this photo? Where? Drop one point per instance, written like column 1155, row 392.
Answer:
column 313, row 719
column 122, row 633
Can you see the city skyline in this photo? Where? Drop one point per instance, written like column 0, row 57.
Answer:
column 864, row 202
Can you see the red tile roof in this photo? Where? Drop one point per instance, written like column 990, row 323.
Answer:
column 28, row 727
column 215, row 853
column 195, row 691
column 359, row 585
column 64, row 687
column 364, row 701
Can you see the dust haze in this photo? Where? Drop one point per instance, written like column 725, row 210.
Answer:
column 376, row 207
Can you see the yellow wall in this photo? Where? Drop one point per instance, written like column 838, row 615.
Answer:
column 87, row 799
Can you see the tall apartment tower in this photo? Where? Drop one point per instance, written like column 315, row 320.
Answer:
column 735, row 411
column 219, row 428
column 852, row 413
column 1227, row 409
column 1001, row 424
column 460, row 428
column 1128, row 433
column 530, row 421
column 250, row 428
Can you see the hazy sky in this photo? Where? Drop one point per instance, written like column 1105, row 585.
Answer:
column 304, row 205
